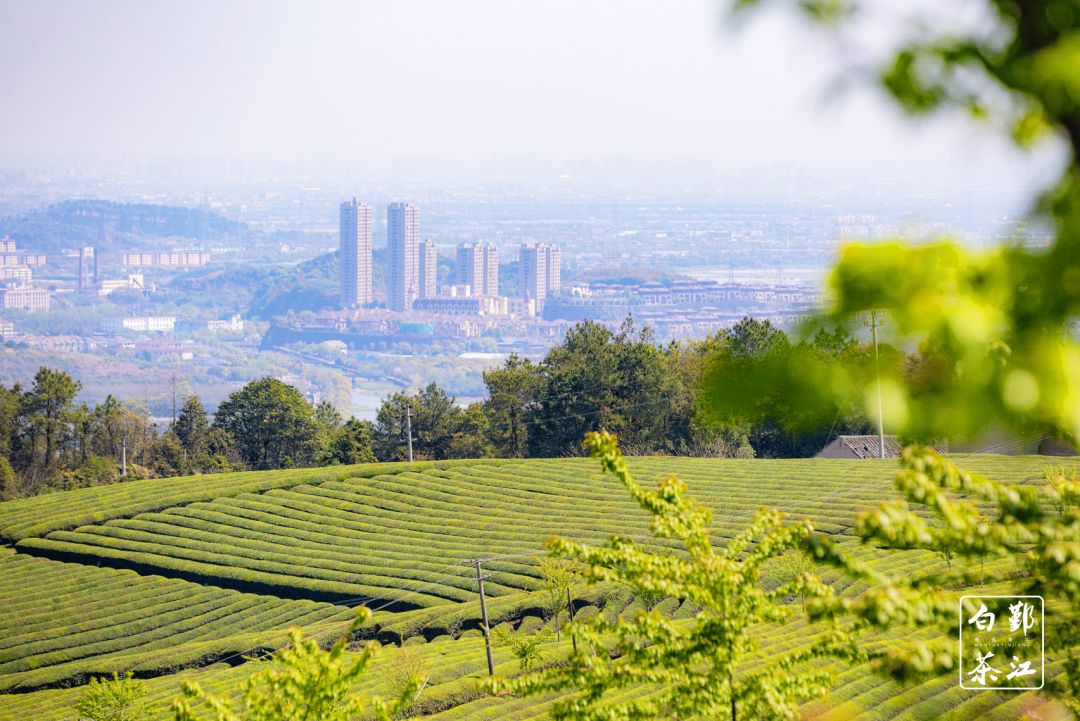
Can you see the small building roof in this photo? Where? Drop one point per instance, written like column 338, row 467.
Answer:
column 868, row 447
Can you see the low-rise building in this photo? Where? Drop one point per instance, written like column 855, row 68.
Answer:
column 18, row 274
column 24, row 298
column 163, row 348
column 7, row 330
column 140, row 324
column 229, row 325
column 167, row 259
column 134, row 281
column 10, row 255
column 475, row 305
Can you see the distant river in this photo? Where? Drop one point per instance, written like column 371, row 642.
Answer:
column 755, row 275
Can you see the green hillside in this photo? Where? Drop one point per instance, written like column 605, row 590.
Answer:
column 185, row 577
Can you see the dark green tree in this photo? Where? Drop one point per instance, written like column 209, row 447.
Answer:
column 351, row 444
column 10, row 402
column 327, row 416
column 192, row 426
column 107, row 425
column 512, row 392
column 471, row 435
column 328, row 420
column 47, row 409
column 274, row 426
column 167, row 458
column 745, row 387
column 434, row 418
column 601, row 379
column 10, row 488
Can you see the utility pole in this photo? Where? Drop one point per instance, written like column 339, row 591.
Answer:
column 483, row 616
column 123, row 456
column 873, row 324
column 174, row 400
column 570, row 611
column 408, row 431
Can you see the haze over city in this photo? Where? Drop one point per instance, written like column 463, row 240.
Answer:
column 638, row 93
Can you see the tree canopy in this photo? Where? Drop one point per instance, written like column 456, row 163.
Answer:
column 273, row 424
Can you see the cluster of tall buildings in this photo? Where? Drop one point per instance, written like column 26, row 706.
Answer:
column 412, row 263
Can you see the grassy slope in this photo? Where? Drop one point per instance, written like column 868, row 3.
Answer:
column 402, row 531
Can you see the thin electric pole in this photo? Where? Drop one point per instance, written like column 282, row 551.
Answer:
column 408, row 432
column 483, row 616
column 123, row 456
column 570, row 611
column 173, row 380
column 873, row 323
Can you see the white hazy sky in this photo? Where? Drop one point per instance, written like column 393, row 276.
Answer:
column 648, row 80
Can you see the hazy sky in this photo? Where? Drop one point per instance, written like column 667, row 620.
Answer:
column 452, row 80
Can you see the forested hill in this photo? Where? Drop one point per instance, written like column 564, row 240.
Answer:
column 114, row 226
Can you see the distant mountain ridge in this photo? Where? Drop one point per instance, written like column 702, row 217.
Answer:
column 114, row 226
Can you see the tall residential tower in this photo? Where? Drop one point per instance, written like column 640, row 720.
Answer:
column 355, row 254
column 478, row 268
column 428, row 270
column 403, row 244
column 539, row 274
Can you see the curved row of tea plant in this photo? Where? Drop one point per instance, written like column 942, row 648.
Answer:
column 61, row 622
column 401, row 536
column 41, row 514
column 455, row 668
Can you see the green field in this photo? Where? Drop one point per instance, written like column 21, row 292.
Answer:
column 180, row 578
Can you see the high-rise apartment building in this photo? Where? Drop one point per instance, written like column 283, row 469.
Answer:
column 469, row 266
column 403, row 244
column 539, row 272
column 491, row 271
column 478, row 268
column 532, row 272
column 355, row 253
column 427, row 270
column 554, row 270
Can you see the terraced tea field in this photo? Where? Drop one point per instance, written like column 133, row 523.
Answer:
column 182, row 577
